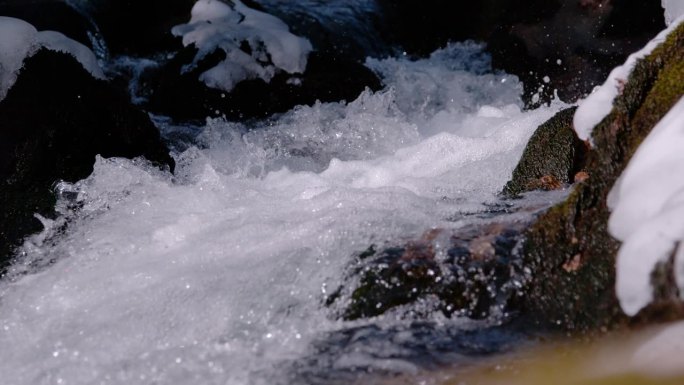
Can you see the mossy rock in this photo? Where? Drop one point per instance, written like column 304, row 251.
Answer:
column 568, row 250
column 553, row 154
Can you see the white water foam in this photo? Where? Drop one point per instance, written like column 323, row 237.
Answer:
column 217, row 275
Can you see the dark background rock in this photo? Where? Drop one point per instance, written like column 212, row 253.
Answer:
column 53, row 122
column 138, row 27
column 340, row 29
column 184, row 97
column 529, row 38
column 553, row 151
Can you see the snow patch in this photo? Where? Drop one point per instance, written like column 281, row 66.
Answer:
column 647, row 204
column 19, row 40
column 216, row 25
column 598, row 105
column 673, row 10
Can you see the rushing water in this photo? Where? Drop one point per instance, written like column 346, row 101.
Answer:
column 218, row 274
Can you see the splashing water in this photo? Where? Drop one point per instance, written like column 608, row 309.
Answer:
column 217, row 275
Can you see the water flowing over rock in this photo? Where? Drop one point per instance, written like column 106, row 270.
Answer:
column 473, row 275
column 54, row 120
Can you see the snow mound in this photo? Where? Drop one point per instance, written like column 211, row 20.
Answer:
column 598, row 105
column 19, row 40
column 647, row 204
column 217, row 25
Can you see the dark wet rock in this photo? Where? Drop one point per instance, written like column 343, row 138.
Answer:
column 53, row 15
column 421, row 27
column 552, row 158
column 573, row 47
column 475, row 272
column 138, row 27
column 564, row 45
column 348, row 30
column 53, row 122
column 183, row 96
column 568, row 249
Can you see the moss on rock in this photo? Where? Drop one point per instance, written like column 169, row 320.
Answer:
column 554, row 153
column 574, row 233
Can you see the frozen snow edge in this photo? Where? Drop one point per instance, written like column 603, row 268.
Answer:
column 599, row 103
column 19, row 40
column 647, row 205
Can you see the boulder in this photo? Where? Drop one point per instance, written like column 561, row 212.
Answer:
column 53, row 122
column 476, row 276
column 568, row 249
column 552, row 158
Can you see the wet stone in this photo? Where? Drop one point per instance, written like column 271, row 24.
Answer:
column 466, row 272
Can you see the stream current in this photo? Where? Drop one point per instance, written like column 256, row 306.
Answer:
column 218, row 274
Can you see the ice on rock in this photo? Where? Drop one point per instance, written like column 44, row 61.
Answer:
column 647, row 204
column 218, row 25
column 599, row 103
column 19, row 40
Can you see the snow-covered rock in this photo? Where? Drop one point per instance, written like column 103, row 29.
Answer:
column 648, row 207
column 598, row 105
column 256, row 44
column 19, row 39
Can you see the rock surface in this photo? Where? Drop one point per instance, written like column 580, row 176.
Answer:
column 53, row 122
column 475, row 273
column 552, row 158
column 569, row 249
